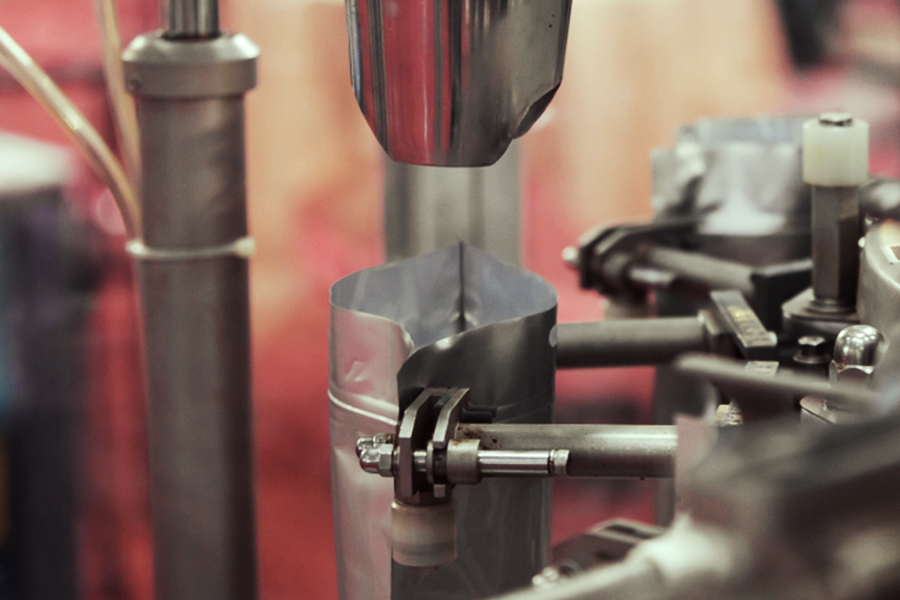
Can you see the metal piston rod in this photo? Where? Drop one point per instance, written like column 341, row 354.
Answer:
column 592, row 450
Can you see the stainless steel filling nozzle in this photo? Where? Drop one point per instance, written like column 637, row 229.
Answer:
column 452, row 83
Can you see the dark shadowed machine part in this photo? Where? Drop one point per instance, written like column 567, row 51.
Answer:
column 189, row 84
column 42, row 315
column 452, row 83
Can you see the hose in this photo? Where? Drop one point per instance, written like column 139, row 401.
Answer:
column 104, row 163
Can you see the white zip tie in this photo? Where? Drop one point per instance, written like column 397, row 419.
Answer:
column 244, row 247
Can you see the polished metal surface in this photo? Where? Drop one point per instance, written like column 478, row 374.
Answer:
column 835, row 249
column 513, row 463
column 192, row 18
column 594, row 450
column 858, row 345
column 627, row 342
column 813, row 350
column 197, row 339
column 451, row 83
column 452, row 318
column 428, row 208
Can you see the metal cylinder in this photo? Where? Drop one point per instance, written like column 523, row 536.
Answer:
column 703, row 270
column 193, row 19
column 625, row 342
column 195, row 305
column 594, row 450
column 512, row 463
column 835, row 249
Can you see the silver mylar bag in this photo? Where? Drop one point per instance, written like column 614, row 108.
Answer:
column 456, row 317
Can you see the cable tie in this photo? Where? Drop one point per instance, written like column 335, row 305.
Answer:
column 244, row 247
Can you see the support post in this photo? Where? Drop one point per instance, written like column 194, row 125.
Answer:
column 193, row 277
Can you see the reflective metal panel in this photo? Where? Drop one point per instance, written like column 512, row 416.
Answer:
column 452, row 82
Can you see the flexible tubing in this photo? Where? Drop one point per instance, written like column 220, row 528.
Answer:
column 122, row 105
column 20, row 65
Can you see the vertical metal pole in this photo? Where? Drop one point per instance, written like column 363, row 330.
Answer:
column 193, row 19
column 192, row 271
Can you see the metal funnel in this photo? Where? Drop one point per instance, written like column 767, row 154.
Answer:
column 452, row 82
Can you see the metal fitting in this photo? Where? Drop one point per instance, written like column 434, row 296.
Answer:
column 813, row 352
column 856, row 353
column 158, row 67
column 376, row 454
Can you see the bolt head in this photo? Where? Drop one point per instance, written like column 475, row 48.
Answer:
column 814, row 350
column 850, row 373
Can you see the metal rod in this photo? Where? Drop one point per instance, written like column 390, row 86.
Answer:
column 623, row 342
column 193, row 19
column 511, row 463
column 713, row 273
column 594, row 450
column 734, row 376
column 835, row 246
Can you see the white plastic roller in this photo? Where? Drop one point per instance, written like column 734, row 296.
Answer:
column 423, row 535
column 835, row 151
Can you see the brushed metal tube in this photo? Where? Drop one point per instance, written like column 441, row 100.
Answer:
column 624, row 342
column 193, row 18
column 594, row 450
column 196, row 330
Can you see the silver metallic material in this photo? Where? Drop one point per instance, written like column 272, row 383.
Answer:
column 428, row 208
column 159, row 67
column 856, row 353
column 376, row 454
column 452, row 83
column 812, row 351
column 455, row 317
column 511, row 463
column 835, row 250
column 593, row 450
column 858, row 345
column 193, row 18
column 196, row 313
column 463, row 462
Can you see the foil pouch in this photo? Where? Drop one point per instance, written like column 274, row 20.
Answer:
column 453, row 318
